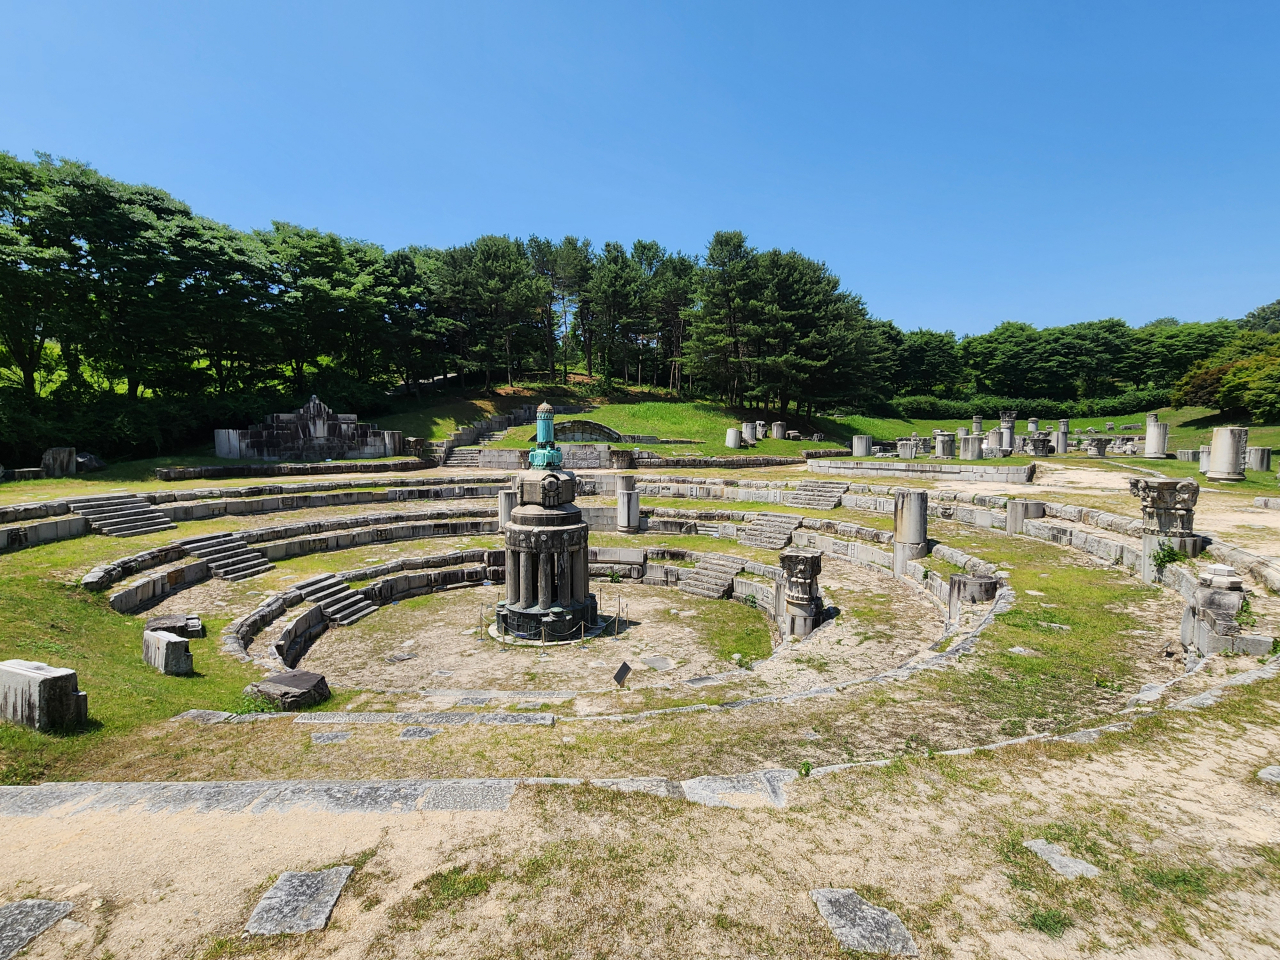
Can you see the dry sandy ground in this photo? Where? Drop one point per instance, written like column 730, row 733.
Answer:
column 585, row 873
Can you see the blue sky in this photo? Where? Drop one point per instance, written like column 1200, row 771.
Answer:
column 956, row 164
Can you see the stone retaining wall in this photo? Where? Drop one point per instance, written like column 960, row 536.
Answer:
column 101, row 577
column 150, row 590
column 47, row 531
column 925, row 470
column 344, row 540
column 419, row 583
column 298, row 635
column 170, row 474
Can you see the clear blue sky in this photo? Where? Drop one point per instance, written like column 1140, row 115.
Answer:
column 956, row 164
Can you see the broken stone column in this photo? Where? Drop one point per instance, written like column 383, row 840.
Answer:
column 1168, row 518
column 778, row 430
column 802, row 602
column 977, row 426
column 994, row 436
column 168, row 653
column 1061, row 438
column 1258, row 458
column 762, row 429
column 748, row 431
column 906, row 449
column 971, row 447
column 1019, row 510
column 961, row 432
column 1097, row 446
column 1227, row 453
column 628, row 506
column 969, row 588
column 42, row 697
column 733, row 438
column 860, row 445
column 910, row 528
column 59, row 462
column 1204, row 459
column 1033, row 424
column 1210, row 623
column 1008, row 423
column 506, row 503
column 944, row 445
column 1155, row 447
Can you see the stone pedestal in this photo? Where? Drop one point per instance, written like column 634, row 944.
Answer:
column 59, row 462
column 733, row 438
column 167, row 652
column 968, row 588
column 1019, row 510
column 1258, row 458
column 906, row 449
column 1227, row 453
column 910, row 528
column 778, row 430
column 860, row 445
column 42, row 697
column 1008, row 424
column 1033, row 424
column 802, row 603
column 971, row 447
column 1097, row 446
column 1168, row 518
column 1037, row 445
column 748, row 431
column 944, row 446
column 1155, row 447
column 506, row 503
column 628, row 506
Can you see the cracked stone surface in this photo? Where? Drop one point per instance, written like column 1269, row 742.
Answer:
column 1059, row 861
column 24, row 920
column 298, row 902
column 1269, row 774
column 861, row 926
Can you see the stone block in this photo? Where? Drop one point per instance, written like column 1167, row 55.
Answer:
column 863, row 927
column 42, row 697
column 1258, row 458
column 778, row 431
column 181, row 624
column 1067, row 866
column 291, row 690
column 59, row 462
column 24, row 920
column 167, row 652
column 298, row 902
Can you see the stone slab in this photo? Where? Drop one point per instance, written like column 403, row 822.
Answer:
column 862, row 926
column 1060, row 862
column 24, row 920
column 740, row 790
column 1269, row 774
column 292, row 689
column 657, row 786
column 257, row 797
column 331, row 736
column 298, row 902
column 444, row 718
column 203, row 716
column 417, row 733
column 516, row 719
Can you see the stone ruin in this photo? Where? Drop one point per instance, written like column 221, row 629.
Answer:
column 1168, row 518
column 42, row 697
column 1211, row 621
column 802, row 606
column 312, row 432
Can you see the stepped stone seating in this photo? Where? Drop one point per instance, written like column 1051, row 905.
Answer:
column 340, row 603
column 817, row 494
column 121, row 515
column 463, row 457
column 771, row 531
column 228, row 556
column 713, row 575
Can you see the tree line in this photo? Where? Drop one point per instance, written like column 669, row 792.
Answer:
column 117, row 298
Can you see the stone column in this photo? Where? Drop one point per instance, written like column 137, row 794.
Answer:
column 1033, row 424
column 961, row 432
column 564, row 580
column 1156, row 443
column 580, row 576
column 994, row 436
column 528, row 579
column 1168, row 517
column 965, row 588
column 749, row 431
column 779, row 430
column 1008, row 423
column 1226, row 455
column 1097, row 446
column 910, row 528
column 971, row 447
column 977, row 426
column 801, row 608
column 762, row 429
column 1061, row 440
column 906, row 449
column 860, row 445
column 1018, row 511
column 506, row 503
column 944, row 446
column 733, row 438
column 512, row 576
column 1204, row 459
column 628, row 505
column 1258, row 458
column 546, row 579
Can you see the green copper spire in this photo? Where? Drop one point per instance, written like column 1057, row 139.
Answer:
column 545, row 456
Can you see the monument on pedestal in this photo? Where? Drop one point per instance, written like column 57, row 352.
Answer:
column 802, row 603
column 1168, row 515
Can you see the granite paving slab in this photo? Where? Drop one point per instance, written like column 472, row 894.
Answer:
column 1060, row 862
column 203, row 716
column 862, row 926
column 516, row 719
column 658, row 786
column 1269, row 774
column 331, row 736
column 298, row 902
column 737, row 790
column 24, row 920
column 408, row 719
column 418, row 733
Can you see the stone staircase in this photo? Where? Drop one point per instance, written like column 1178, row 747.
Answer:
column 485, row 439
column 817, row 494
column 121, row 515
column 463, row 457
column 772, row 531
column 340, row 603
column 229, row 557
column 713, row 575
